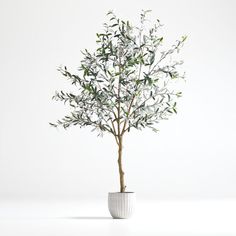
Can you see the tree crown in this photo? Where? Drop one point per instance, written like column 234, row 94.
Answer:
column 126, row 82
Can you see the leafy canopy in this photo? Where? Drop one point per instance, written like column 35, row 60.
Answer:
column 126, row 82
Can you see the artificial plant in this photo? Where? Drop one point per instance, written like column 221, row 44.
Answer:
column 125, row 84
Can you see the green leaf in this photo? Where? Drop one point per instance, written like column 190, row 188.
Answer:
column 152, row 59
column 114, row 25
column 54, row 125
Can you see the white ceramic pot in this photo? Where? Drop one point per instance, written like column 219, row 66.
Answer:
column 121, row 205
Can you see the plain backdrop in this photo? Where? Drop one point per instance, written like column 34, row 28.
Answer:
column 194, row 154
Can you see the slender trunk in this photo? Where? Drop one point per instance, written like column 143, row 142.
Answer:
column 121, row 172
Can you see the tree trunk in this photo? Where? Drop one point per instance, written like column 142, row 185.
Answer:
column 121, row 172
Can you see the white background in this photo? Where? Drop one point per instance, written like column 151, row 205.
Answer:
column 55, row 182
column 193, row 155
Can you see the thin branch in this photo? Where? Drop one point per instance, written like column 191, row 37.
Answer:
column 115, row 134
column 139, row 74
column 131, row 103
column 118, row 95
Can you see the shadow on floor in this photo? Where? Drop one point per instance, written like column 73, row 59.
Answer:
column 58, row 218
column 85, row 218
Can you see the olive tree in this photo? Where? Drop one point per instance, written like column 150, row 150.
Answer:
column 125, row 84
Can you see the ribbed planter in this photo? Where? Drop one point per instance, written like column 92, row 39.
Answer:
column 121, row 205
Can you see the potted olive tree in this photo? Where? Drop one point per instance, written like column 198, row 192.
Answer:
column 127, row 83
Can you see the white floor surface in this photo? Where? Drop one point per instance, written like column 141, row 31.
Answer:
column 85, row 218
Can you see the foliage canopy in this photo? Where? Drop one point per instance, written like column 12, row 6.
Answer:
column 126, row 82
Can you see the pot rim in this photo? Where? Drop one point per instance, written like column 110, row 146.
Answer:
column 121, row 192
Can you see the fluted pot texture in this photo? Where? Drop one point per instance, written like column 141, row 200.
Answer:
column 121, row 205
